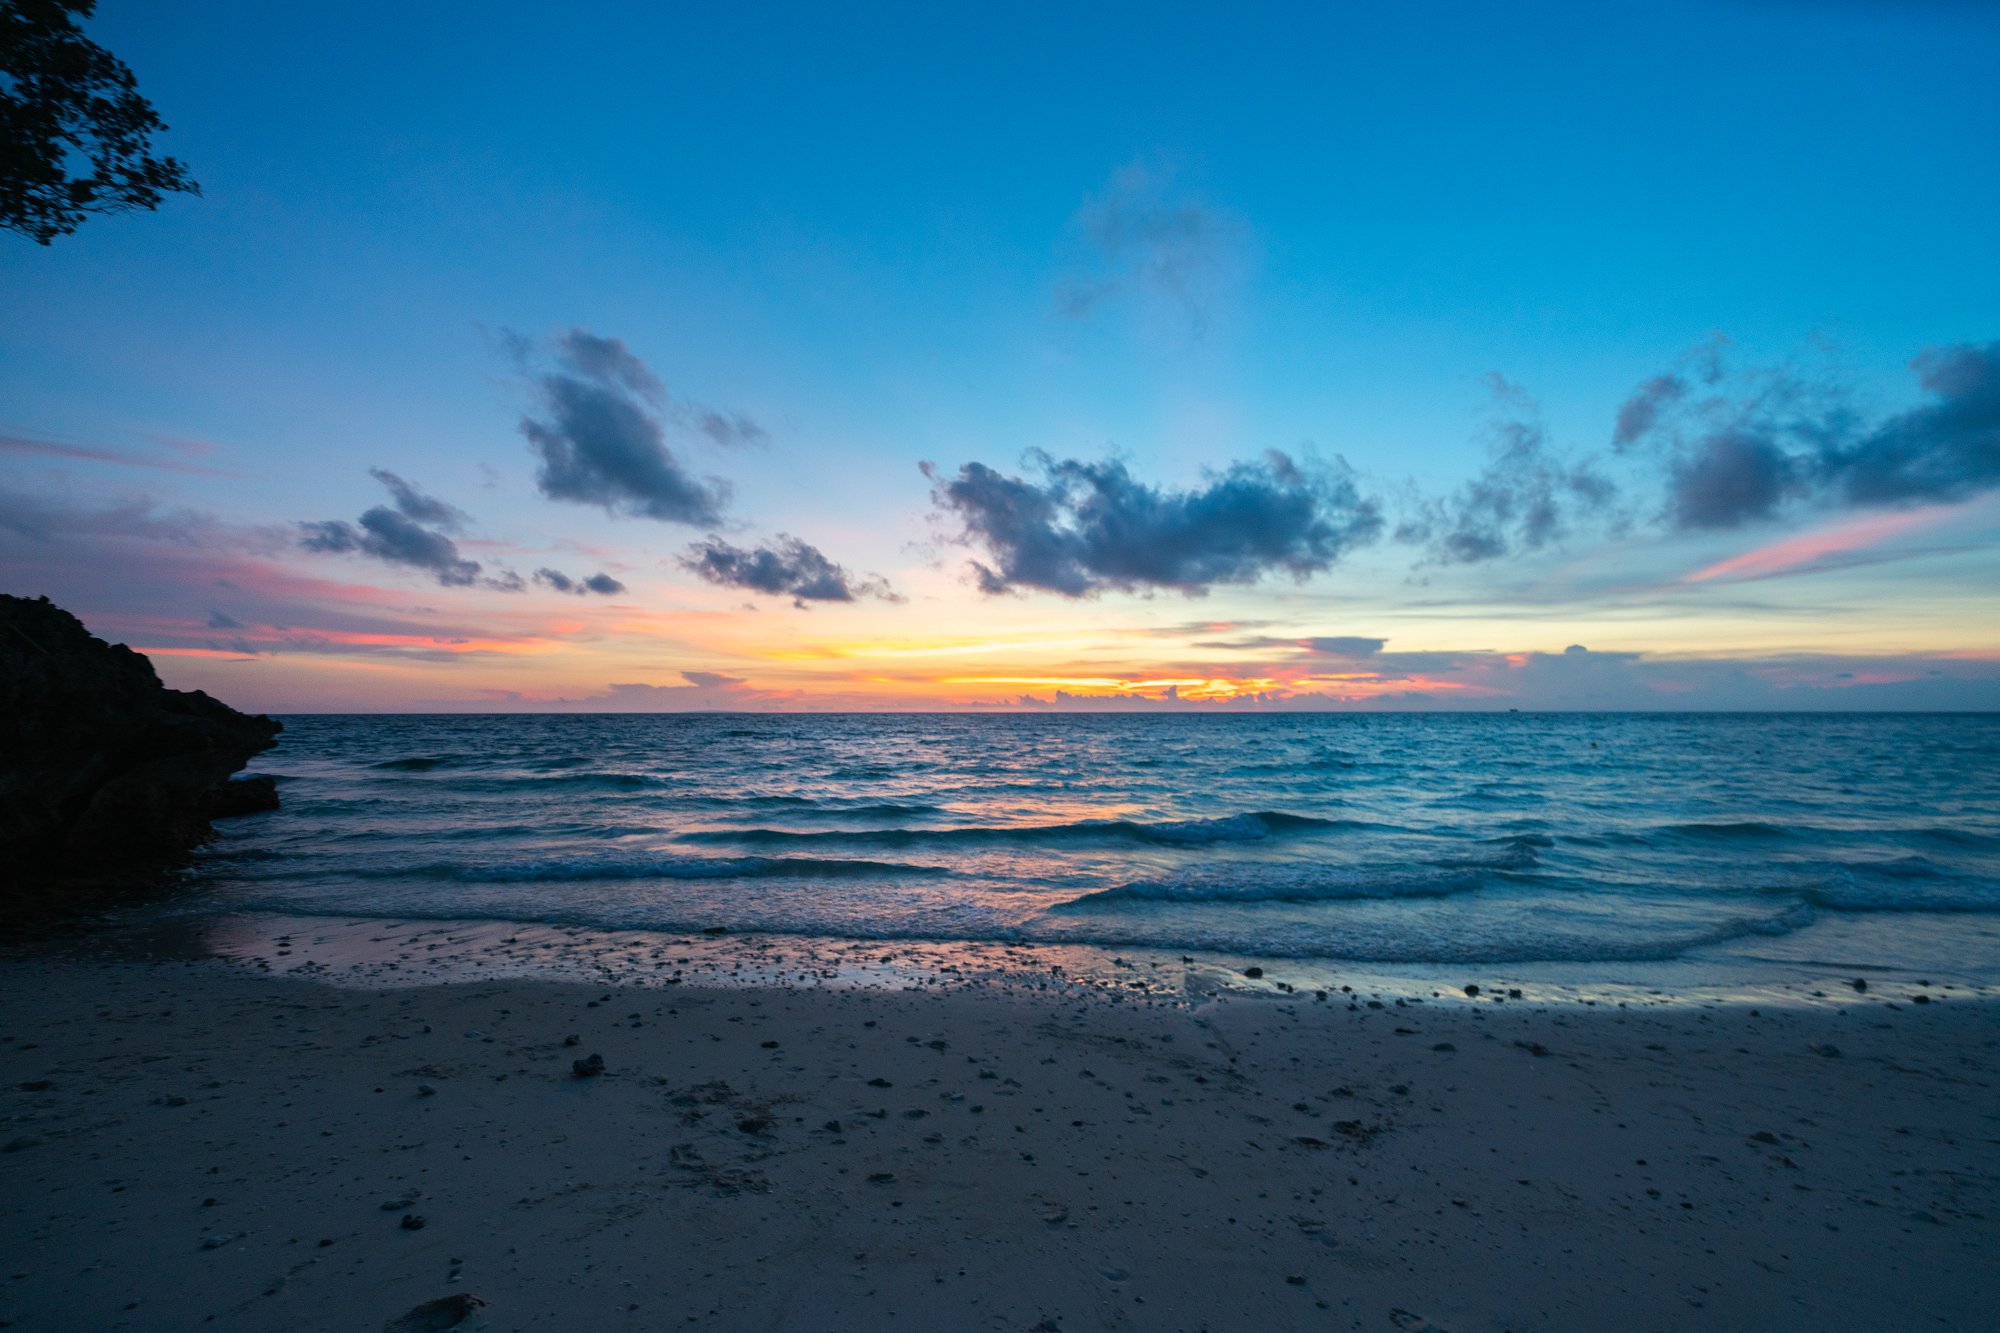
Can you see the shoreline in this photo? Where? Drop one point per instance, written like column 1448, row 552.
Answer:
column 973, row 1152
column 376, row 952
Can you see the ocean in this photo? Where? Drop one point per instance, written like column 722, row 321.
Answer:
column 1581, row 845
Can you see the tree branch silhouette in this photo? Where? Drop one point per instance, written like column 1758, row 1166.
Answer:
column 75, row 135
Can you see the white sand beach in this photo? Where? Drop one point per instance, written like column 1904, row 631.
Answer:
column 193, row 1144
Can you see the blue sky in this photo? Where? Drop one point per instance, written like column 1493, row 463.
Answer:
column 1177, row 236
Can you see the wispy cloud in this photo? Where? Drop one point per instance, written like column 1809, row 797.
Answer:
column 23, row 445
column 1145, row 235
column 1525, row 497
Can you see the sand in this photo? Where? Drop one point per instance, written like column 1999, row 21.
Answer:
column 190, row 1144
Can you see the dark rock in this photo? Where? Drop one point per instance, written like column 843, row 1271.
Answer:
column 1859, row 984
column 589, row 1068
column 243, row 796
column 1254, row 973
column 1472, row 990
column 412, row 1222
column 109, row 778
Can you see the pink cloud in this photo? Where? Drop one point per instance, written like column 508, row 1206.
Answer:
column 1809, row 548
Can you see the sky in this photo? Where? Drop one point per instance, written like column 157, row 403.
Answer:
column 1033, row 357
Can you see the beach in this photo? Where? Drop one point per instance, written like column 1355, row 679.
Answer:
column 208, row 1141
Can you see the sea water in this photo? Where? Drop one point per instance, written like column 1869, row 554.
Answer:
column 1391, row 840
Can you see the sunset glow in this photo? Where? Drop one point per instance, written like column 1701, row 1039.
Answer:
column 565, row 404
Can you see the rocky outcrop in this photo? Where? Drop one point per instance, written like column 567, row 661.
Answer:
column 107, row 777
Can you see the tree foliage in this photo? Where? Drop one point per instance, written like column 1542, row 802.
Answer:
column 75, row 134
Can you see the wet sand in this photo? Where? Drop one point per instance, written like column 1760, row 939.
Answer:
column 192, row 1143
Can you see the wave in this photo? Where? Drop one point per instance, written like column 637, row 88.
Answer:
column 1405, row 943
column 414, row 764
column 558, row 782
column 1949, row 837
column 653, row 865
column 1908, row 884
column 1253, row 827
column 829, row 809
column 1256, row 882
column 1519, row 852
column 1761, row 831
column 1727, row 832
column 1411, row 943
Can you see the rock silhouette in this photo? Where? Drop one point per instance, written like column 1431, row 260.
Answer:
column 108, row 779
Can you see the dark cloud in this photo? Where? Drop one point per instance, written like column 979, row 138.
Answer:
column 787, row 567
column 601, row 433
column 1346, row 645
column 390, row 536
column 1084, row 528
column 1639, row 413
column 1730, row 478
column 1142, row 234
column 602, row 584
column 1660, row 395
column 1945, row 450
column 1522, row 500
column 703, row 690
column 398, row 537
column 1358, row 650
column 1735, row 457
column 414, row 504
column 600, row 445
column 223, row 620
column 607, row 361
